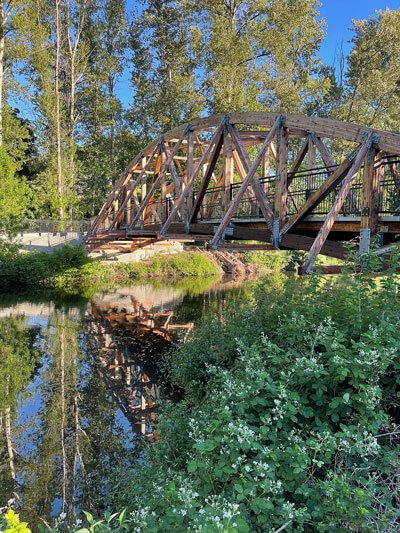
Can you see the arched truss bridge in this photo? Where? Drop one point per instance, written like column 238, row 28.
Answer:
column 271, row 180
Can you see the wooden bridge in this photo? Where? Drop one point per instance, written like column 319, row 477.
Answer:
column 282, row 181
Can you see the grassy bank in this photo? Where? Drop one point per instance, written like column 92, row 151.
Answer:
column 70, row 269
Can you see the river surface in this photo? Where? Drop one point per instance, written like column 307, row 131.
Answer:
column 80, row 382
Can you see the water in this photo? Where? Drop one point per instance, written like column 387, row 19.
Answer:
column 80, row 382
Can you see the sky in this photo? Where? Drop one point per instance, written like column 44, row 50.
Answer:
column 338, row 15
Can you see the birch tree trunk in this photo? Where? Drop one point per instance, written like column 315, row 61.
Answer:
column 60, row 176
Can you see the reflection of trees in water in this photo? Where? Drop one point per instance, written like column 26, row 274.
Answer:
column 66, row 425
column 17, row 364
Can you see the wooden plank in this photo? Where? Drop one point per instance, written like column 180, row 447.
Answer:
column 291, row 241
column 337, row 204
column 233, row 206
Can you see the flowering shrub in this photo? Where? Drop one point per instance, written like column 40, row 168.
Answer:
column 290, row 418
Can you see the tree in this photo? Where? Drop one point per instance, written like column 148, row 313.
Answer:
column 259, row 55
column 373, row 79
column 14, row 193
column 163, row 69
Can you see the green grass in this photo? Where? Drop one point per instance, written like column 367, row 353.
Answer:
column 70, row 270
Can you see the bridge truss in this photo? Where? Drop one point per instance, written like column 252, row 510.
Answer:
column 286, row 181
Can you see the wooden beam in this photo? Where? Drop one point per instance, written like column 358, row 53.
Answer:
column 337, row 204
column 370, row 201
column 133, row 187
column 255, row 183
column 325, row 153
column 157, row 181
column 122, row 181
column 245, row 184
column 206, row 179
column 319, row 195
column 281, row 184
column 214, row 141
column 298, row 160
column 227, row 170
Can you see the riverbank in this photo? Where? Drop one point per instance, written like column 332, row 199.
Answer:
column 70, row 268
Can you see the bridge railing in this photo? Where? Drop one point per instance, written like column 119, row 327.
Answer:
column 303, row 184
column 53, row 226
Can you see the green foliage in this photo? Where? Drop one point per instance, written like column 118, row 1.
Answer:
column 68, row 268
column 14, row 193
column 271, row 260
column 16, row 360
column 35, row 268
column 290, row 411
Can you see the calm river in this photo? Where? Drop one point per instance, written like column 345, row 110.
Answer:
column 80, row 380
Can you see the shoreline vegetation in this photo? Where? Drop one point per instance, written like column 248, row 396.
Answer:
column 69, row 269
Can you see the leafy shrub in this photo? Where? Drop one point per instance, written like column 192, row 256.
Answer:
column 269, row 260
column 34, row 268
column 290, row 418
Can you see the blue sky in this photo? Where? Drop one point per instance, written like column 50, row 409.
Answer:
column 339, row 14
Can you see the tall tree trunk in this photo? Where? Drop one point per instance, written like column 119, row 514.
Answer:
column 2, row 47
column 112, row 133
column 8, row 433
column 60, row 177
column 63, row 414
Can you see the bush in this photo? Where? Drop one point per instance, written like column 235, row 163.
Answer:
column 289, row 419
column 270, row 260
column 35, row 268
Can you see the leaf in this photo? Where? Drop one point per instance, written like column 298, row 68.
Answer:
column 89, row 517
column 192, row 466
column 346, row 397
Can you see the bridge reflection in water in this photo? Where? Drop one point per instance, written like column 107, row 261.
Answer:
column 131, row 338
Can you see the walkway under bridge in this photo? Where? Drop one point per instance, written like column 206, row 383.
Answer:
column 280, row 181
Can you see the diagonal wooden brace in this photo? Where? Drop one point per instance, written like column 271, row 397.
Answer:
column 337, row 204
column 245, row 184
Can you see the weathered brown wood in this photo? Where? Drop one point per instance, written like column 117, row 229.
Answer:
column 233, row 206
column 206, row 179
column 337, row 204
column 254, row 183
column 370, row 201
column 215, row 141
column 119, row 213
column 323, row 150
column 319, row 195
column 311, row 162
column 281, row 182
column 157, row 181
column 227, row 170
